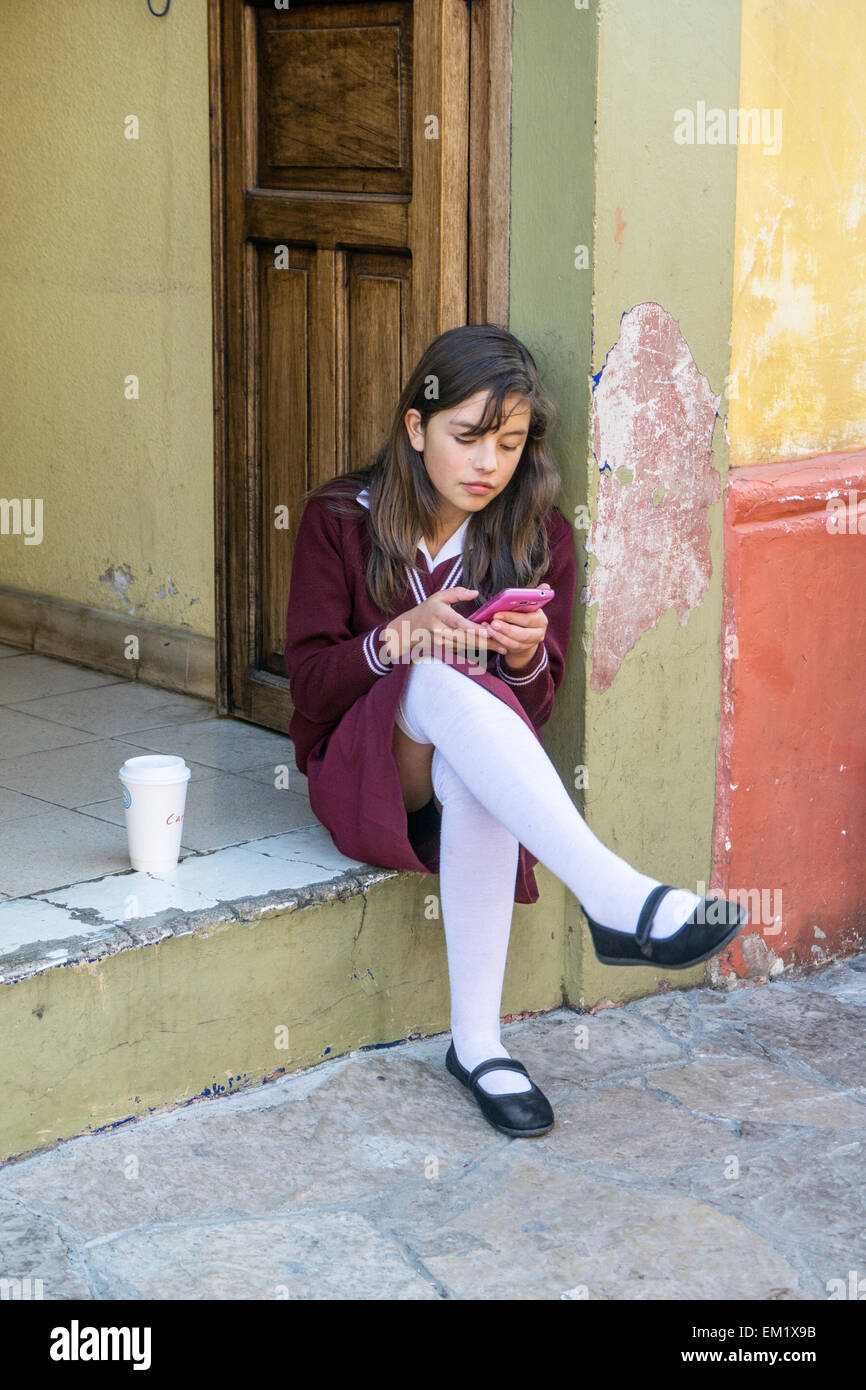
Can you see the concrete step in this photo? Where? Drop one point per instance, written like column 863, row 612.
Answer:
column 134, row 992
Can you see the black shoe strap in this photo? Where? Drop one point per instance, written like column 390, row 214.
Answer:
column 496, row 1064
column 647, row 916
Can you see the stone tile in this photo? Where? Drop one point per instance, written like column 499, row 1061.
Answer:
column 78, row 776
column 842, row 981
column 332, row 1255
column 35, row 935
column 367, row 1128
column 57, row 848
column 32, row 676
column 730, row 1033
column 230, row 810
column 297, row 780
column 222, row 809
column 711, row 1023
column 637, row 1134
column 520, row 1228
column 25, row 921
column 237, row 872
column 310, row 843
column 23, row 733
column 124, row 898
column 809, row 1027
column 230, row 745
column 34, row 1251
column 674, row 1012
column 89, row 945
column 807, row 1192
column 17, row 806
column 119, row 707
column 741, row 1088
column 617, row 1043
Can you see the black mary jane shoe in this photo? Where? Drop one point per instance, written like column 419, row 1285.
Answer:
column 520, row 1114
column 714, row 923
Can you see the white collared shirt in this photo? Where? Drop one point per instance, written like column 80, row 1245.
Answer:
column 451, row 549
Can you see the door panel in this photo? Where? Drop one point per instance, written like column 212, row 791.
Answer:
column 375, row 363
column 335, row 97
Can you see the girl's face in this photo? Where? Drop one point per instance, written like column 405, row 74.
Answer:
column 468, row 472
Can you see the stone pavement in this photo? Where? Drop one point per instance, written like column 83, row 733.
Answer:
column 707, row 1145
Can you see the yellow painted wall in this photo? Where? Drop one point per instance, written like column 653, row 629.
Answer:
column 105, row 271
column 798, row 364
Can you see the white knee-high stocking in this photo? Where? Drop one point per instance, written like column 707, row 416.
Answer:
column 507, row 770
column 477, row 870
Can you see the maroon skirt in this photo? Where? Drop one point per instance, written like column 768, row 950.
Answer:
column 355, row 791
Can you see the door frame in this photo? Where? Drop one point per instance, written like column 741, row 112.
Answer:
column 488, row 246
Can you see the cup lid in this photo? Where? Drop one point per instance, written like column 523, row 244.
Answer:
column 155, row 767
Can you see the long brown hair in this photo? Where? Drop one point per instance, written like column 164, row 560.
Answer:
column 506, row 542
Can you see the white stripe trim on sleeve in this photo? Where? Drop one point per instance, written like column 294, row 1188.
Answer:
column 521, row 679
column 368, row 647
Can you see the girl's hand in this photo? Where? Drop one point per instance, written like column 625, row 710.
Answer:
column 519, row 633
column 437, row 617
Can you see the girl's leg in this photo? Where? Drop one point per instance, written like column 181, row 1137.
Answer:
column 413, row 761
column 477, row 870
column 506, row 769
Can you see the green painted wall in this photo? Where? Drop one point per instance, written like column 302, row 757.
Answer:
column 105, row 271
column 652, row 737
column 552, row 153
column 649, row 742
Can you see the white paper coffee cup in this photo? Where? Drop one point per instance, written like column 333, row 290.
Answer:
column 154, row 799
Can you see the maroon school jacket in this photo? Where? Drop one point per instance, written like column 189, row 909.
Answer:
column 345, row 696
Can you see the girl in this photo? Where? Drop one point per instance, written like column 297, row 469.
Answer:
column 435, row 763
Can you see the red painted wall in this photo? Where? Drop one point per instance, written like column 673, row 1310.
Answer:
column 791, row 793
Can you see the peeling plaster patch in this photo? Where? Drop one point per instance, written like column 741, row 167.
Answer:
column 653, row 413
column 119, row 577
column 168, row 588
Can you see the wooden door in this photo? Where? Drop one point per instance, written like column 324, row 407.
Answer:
column 360, row 207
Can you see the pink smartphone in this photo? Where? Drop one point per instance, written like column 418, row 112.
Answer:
column 512, row 601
